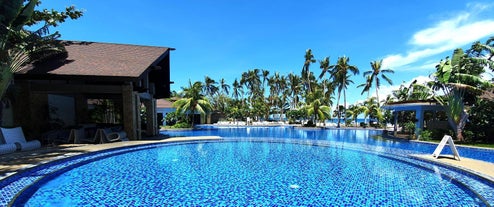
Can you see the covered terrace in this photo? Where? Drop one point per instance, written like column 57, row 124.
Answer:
column 420, row 108
column 113, row 84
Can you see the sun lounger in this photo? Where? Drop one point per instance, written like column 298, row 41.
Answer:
column 7, row 148
column 16, row 136
column 86, row 135
column 108, row 135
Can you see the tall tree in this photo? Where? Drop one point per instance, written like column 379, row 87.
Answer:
column 209, row 87
column 316, row 107
column 225, row 88
column 340, row 76
column 306, row 74
column 237, row 89
column 373, row 76
column 252, row 81
column 295, row 88
column 194, row 101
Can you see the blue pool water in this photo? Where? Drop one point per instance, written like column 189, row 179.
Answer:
column 255, row 166
column 243, row 173
column 357, row 136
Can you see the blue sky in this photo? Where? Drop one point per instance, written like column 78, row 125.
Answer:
column 223, row 38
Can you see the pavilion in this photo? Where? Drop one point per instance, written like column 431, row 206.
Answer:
column 63, row 90
column 420, row 108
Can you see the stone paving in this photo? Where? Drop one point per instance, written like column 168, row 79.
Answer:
column 11, row 163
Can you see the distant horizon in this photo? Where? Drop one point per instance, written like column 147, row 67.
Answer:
column 222, row 39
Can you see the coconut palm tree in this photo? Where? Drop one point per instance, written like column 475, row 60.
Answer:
column 193, row 101
column 325, row 67
column 306, row 74
column 295, row 88
column 339, row 74
column 237, row 89
column 373, row 76
column 252, row 81
column 366, row 86
column 265, row 77
column 315, row 105
column 354, row 111
column 209, row 87
column 224, row 87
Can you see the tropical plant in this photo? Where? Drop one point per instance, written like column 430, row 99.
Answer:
column 457, row 77
column 19, row 46
column 224, row 87
column 193, row 101
column 306, row 74
column 294, row 90
column 373, row 76
column 354, row 111
column 251, row 80
column 315, row 106
column 340, row 76
column 238, row 91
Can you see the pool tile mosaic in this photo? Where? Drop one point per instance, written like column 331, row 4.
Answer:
column 267, row 172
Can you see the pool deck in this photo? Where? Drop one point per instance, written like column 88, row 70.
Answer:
column 17, row 161
column 14, row 162
column 482, row 168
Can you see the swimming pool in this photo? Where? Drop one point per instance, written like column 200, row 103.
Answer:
column 364, row 137
column 251, row 166
column 257, row 172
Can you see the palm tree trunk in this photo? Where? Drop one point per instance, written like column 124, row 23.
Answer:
column 344, row 100
column 377, row 95
column 338, row 109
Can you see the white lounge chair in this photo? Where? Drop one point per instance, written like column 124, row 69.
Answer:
column 108, row 135
column 16, row 136
column 7, row 148
column 86, row 135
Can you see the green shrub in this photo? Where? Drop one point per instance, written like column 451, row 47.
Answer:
column 410, row 127
column 181, row 125
column 426, row 135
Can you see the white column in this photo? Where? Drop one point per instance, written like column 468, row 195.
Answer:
column 419, row 125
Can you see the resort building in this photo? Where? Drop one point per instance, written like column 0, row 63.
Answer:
column 163, row 107
column 426, row 114
column 92, row 83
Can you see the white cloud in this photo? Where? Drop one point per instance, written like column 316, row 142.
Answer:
column 463, row 29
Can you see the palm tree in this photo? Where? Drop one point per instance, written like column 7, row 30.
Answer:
column 316, row 107
column 306, row 74
column 265, row 77
column 340, row 76
column 209, row 87
column 294, row 87
column 193, row 101
column 224, row 86
column 324, row 65
column 353, row 111
column 237, row 89
column 373, row 75
column 367, row 85
column 251, row 80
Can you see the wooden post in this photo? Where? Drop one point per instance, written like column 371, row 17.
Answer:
column 129, row 113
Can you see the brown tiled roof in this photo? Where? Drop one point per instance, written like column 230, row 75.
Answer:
column 101, row 59
column 162, row 103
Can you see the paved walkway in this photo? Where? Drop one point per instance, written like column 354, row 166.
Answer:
column 485, row 169
column 11, row 163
